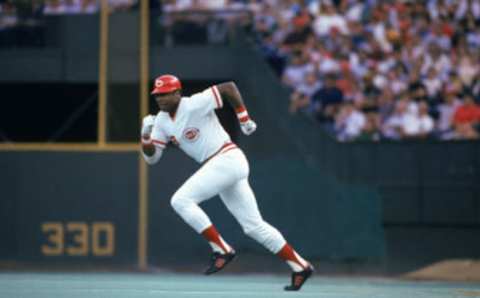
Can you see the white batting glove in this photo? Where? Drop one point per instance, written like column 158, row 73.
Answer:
column 147, row 127
column 248, row 127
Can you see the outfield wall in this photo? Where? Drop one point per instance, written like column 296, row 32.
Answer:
column 82, row 207
column 360, row 199
column 69, row 206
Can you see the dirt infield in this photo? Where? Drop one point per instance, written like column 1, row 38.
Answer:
column 449, row 270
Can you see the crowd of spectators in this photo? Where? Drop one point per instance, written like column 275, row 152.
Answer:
column 365, row 70
column 372, row 70
column 203, row 21
column 177, row 21
column 22, row 21
column 65, row 7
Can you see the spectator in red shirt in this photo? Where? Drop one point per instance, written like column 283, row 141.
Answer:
column 466, row 119
column 468, row 112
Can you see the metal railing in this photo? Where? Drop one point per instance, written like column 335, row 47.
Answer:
column 189, row 27
column 198, row 27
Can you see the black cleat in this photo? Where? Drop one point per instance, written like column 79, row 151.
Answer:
column 218, row 261
column 299, row 278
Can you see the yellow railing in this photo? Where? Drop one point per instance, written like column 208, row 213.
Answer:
column 102, row 145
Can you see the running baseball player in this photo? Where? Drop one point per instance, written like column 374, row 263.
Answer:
column 191, row 124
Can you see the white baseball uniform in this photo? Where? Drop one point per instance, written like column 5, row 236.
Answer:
column 196, row 130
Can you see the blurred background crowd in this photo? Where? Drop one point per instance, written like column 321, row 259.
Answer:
column 379, row 69
column 365, row 70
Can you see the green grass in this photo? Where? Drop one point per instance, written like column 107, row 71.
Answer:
column 139, row 285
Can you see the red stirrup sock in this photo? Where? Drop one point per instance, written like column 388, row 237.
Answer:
column 294, row 260
column 216, row 241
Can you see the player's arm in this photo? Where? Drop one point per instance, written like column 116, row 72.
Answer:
column 152, row 149
column 229, row 92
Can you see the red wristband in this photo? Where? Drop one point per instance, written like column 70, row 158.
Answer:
column 242, row 114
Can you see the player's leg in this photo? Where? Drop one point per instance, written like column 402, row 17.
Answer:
column 240, row 201
column 207, row 182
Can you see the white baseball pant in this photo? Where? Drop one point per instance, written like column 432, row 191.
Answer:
column 226, row 174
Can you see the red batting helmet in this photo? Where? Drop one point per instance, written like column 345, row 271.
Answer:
column 166, row 84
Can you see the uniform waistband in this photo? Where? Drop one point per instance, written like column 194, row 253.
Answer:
column 225, row 147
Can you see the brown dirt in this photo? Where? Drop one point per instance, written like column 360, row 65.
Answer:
column 448, row 270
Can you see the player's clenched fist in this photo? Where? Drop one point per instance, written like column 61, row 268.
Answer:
column 147, row 126
column 247, row 125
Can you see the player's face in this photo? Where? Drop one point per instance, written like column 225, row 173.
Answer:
column 168, row 101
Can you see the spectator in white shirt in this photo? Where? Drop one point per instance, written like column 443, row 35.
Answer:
column 392, row 127
column 354, row 11
column 397, row 84
column 302, row 95
column 467, row 69
column 349, row 122
column 294, row 73
column 53, row 7
column 446, row 110
column 72, row 6
column 408, row 123
column 425, row 123
column 438, row 60
column 432, row 83
column 473, row 38
column 465, row 6
column 329, row 19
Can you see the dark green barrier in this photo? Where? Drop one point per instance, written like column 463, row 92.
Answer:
column 73, row 207
column 421, row 183
column 324, row 217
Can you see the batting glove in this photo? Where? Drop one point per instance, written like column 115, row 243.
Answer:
column 247, row 125
column 147, row 127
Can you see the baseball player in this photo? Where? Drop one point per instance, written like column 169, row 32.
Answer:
column 191, row 124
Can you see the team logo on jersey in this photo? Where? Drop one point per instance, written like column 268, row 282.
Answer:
column 191, row 134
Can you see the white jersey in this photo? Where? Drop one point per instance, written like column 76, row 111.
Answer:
column 195, row 127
